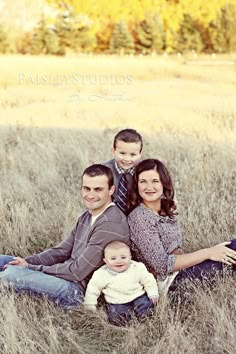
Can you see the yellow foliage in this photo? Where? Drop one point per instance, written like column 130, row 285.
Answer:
column 135, row 10
column 105, row 13
column 202, row 10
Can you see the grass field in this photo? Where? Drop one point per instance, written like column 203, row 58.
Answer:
column 53, row 126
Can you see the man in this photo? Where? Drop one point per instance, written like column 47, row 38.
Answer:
column 62, row 272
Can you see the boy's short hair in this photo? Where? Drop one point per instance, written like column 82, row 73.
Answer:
column 100, row 170
column 114, row 245
column 128, row 136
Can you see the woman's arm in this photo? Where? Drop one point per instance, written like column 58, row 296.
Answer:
column 219, row 253
column 147, row 244
column 178, row 250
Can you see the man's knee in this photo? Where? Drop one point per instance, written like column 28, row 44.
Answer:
column 12, row 274
column 4, row 260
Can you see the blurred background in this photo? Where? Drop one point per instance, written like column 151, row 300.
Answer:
column 155, row 65
column 117, row 26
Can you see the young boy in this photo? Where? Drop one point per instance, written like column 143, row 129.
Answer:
column 126, row 285
column 127, row 150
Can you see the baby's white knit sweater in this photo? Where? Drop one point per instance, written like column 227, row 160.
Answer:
column 120, row 288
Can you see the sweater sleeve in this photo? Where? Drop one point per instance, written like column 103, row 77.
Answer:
column 54, row 255
column 147, row 243
column 78, row 268
column 148, row 281
column 94, row 288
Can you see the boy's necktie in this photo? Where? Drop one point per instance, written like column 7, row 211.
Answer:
column 123, row 194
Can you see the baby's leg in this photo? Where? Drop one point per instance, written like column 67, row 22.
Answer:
column 119, row 314
column 143, row 306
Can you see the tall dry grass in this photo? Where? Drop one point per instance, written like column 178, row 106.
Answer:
column 40, row 171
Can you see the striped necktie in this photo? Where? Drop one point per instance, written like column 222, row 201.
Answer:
column 123, row 194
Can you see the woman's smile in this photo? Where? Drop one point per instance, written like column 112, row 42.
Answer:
column 150, row 187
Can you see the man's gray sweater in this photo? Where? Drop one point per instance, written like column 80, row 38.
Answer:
column 81, row 253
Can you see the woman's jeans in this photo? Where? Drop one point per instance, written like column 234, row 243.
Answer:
column 206, row 271
column 120, row 314
column 65, row 293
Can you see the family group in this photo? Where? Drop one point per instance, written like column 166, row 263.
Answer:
column 127, row 245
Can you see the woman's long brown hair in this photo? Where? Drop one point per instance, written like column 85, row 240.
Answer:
column 167, row 202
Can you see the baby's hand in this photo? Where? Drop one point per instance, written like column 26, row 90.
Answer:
column 91, row 307
column 154, row 300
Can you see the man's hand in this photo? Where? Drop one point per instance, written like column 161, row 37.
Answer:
column 17, row 261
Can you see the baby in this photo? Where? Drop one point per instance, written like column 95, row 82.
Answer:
column 126, row 285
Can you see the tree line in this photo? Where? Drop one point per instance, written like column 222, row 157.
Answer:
column 127, row 27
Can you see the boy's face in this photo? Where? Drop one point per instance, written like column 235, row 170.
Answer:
column 127, row 155
column 118, row 260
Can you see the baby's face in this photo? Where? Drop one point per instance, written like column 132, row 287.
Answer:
column 118, row 260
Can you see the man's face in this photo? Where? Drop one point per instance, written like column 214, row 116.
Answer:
column 96, row 193
column 127, row 155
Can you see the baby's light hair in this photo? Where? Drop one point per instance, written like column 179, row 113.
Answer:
column 115, row 245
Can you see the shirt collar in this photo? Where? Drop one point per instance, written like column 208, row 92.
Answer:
column 115, row 273
column 94, row 218
column 121, row 170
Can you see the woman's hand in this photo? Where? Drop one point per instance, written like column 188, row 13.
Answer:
column 223, row 254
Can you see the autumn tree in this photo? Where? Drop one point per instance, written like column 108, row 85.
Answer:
column 222, row 31
column 3, row 40
column 92, row 25
column 188, row 36
column 150, row 35
column 122, row 41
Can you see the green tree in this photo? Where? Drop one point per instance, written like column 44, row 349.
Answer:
column 51, row 41
column 83, row 38
column 188, row 36
column 3, row 40
column 122, row 41
column 37, row 39
column 222, row 31
column 150, row 35
column 75, row 32
column 44, row 40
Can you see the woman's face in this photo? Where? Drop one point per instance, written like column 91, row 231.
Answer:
column 149, row 186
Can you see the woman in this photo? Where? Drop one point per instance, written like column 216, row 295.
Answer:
column 155, row 238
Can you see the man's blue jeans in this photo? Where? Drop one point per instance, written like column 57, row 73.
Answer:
column 63, row 292
column 120, row 314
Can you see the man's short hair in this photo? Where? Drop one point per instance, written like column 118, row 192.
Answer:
column 114, row 245
column 128, row 136
column 100, row 170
